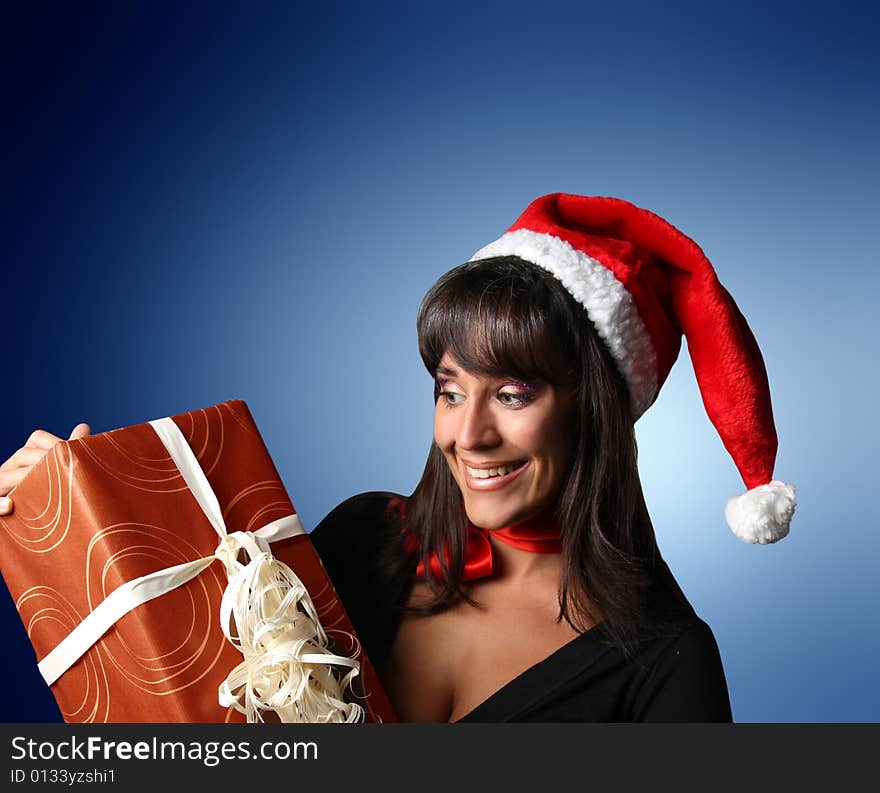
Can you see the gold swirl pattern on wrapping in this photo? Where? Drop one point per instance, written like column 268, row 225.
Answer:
column 282, row 506
column 159, row 474
column 156, row 478
column 44, row 527
column 193, row 431
column 45, row 608
column 268, row 512
column 193, row 647
column 234, row 414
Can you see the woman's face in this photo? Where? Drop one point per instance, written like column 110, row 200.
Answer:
column 507, row 443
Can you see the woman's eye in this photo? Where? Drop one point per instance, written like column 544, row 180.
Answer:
column 451, row 397
column 513, row 400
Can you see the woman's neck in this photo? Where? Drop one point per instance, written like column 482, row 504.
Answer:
column 513, row 565
column 529, row 548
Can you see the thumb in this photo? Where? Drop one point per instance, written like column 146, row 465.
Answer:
column 80, row 431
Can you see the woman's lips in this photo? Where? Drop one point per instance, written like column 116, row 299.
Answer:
column 493, row 482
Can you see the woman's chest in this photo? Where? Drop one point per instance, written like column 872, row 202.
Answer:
column 442, row 666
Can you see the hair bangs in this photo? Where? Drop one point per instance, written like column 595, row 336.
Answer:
column 495, row 318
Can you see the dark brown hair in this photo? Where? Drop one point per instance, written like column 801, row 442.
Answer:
column 507, row 317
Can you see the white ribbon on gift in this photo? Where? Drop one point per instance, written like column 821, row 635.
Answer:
column 287, row 666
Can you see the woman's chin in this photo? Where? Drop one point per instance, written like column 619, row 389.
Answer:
column 491, row 521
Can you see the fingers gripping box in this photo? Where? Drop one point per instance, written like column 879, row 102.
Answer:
column 162, row 575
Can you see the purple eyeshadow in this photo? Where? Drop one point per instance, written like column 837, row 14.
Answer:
column 522, row 384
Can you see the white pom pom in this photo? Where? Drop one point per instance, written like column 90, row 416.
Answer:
column 763, row 514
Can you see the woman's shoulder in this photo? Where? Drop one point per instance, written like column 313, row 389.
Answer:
column 358, row 519
column 685, row 678
column 691, row 639
column 361, row 535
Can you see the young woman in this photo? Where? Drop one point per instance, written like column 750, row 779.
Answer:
column 521, row 581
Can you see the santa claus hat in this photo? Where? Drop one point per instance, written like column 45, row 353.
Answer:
column 643, row 283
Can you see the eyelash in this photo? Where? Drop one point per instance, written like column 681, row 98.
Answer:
column 521, row 400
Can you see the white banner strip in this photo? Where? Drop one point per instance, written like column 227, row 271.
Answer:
column 133, row 593
column 191, row 471
column 115, row 606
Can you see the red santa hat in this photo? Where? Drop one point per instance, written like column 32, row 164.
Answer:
column 643, row 284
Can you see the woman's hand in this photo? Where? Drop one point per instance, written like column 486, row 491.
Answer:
column 17, row 466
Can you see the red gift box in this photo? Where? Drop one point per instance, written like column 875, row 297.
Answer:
column 101, row 512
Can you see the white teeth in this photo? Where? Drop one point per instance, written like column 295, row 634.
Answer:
column 486, row 473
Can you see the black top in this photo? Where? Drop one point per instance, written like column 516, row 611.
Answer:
column 676, row 678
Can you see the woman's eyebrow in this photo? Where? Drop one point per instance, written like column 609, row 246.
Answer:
column 445, row 370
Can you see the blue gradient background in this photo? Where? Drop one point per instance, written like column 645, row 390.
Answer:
column 208, row 204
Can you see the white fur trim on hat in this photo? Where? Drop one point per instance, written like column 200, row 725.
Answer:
column 763, row 514
column 609, row 305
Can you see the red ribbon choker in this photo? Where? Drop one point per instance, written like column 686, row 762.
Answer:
column 538, row 534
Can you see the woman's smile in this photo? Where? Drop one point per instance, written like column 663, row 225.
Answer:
column 492, row 476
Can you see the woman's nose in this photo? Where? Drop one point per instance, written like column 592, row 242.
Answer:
column 478, row 428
